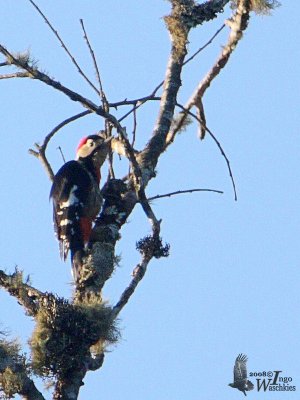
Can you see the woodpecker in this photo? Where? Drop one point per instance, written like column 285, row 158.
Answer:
column 77, row 199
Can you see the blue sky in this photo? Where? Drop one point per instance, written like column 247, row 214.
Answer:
column 232, row 280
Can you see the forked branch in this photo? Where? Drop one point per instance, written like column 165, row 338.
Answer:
column 184, row 16
column 40, row 151
column 63, row 45
column 238, row 23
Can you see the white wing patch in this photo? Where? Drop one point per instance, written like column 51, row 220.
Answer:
column 65, row 222
column 72, row 200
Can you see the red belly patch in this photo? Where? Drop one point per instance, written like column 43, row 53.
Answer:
column 86, row 228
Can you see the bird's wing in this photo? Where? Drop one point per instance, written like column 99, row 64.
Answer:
column 69, row 192
column 240, row 368
column 70, row 174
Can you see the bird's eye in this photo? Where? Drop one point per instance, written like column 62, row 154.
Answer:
column 91, row 143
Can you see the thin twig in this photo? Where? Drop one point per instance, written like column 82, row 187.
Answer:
column 15, row 75
column 157, row 88
column 64, row 47
column 35, row 73
column 205, row 45
column 134, row 101
column 226, row 159
column 134, row 128
column 104, row 101
column 40, row 153
column 3, row 64
column 62, row 124
column 137, row 104
column 219, row 146
column 160, row 196
column 62, row 154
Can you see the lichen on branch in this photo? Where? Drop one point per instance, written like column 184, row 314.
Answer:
column 15, row 372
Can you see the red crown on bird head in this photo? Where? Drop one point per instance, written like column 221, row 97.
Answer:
column 82, row 142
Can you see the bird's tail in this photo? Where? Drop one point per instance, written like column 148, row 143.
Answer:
column 76, row 259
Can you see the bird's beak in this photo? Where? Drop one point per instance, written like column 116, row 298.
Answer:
column 105, row 143
column 108, row 140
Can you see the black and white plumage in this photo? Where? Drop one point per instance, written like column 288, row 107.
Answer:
column 77, row 199
column 240, row 377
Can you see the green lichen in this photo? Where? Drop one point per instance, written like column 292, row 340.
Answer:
column 65, row 332
column 13, row 368
column 260, row 7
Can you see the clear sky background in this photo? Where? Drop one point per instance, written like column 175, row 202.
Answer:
column 231, row 283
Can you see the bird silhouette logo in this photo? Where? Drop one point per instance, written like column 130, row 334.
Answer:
column 240, row 380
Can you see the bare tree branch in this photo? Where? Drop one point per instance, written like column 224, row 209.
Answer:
column 61, row 125
column 185, row 15
column 219, row 146
column 64, row 47
column 34, row 73
column 205, row 45
column 26, row 295
column 137, row 104
column 155, row 223
column 138, row 275
column 134, row 102
column 150, row 246
column 160, row 196
column 15, row 75
column 105, row 104
column 227, row 161
column 102, row 95
column 40, row 155
column 41, row 149
column 62, row 154
column 238, row 23
column 201, row 117
column 134, row 128
column 140, row 101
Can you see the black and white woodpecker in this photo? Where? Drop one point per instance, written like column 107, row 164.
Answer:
column 77, row 199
